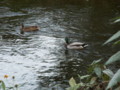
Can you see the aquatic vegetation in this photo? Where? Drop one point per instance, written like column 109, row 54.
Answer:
column 100, row 77
column 10, row 86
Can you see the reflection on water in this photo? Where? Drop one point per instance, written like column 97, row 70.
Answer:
column 39, row 60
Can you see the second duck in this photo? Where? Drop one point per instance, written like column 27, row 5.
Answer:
column 28, row 28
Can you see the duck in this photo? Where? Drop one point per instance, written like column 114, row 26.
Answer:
column 28, row 28
column 75, row 45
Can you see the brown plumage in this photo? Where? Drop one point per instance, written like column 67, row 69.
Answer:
column 28, row 29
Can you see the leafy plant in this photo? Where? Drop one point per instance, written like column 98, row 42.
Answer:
column 4, row 87
column 116, row 57
column 114, row 37
column 113, row 58
column 73, row 84
column 100, row 77
column 115, row 80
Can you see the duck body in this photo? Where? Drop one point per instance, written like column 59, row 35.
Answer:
column 75, row 45
column 28, row 28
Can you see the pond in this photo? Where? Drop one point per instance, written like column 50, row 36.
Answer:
column 39, row 60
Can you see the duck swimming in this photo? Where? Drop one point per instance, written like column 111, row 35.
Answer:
column 28, row 28
column 75, row 45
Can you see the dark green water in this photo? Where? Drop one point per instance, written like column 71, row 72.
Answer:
column 39, row 60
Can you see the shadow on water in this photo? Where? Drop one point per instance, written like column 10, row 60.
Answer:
column 39, row 59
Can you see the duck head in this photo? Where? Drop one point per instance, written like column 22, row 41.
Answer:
column 67, row 40
column 22, row 25
column 21, row 30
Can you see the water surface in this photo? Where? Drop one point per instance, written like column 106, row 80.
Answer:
column 39, row 60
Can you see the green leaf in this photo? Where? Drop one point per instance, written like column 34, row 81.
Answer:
column 79, row 77
column 96, row 62
column 118, row 88
column 116, row 18
column 72, row 82
column 117, row 42
column 3, row 85
column 85, row 76
column 115, row 36
column 93, row 80
column 98, row 71
column 108, row 72
column 114, row 80
column 0, row 86
column 74, row 87
column 113, row 58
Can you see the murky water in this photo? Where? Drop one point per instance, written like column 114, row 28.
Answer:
column 39, row 60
